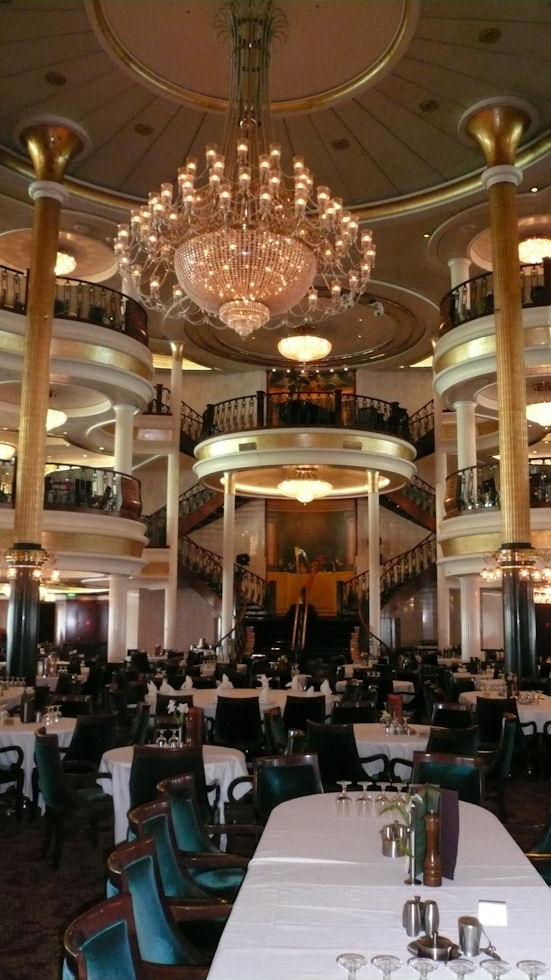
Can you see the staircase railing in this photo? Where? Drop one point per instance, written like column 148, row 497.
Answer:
column 420, row 493
column 208, row 567
column 395, row 572
column 475, row 297
column 191, row 422
column 421, row 427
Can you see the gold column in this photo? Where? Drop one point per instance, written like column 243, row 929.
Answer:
column 51, row 145
column 497, row 127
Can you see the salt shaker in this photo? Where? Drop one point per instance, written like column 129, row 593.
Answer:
column 412, row 916
column 431, row 916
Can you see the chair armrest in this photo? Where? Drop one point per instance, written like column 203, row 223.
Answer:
column 17, row 751
column 530, row 725
column 378, row 757
column 218, row 829
column 192, row 911
column 237, row 782
column 397, row 761
column 200, row 862
column 158, row 971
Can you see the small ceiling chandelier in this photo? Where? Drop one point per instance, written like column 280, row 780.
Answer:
column 304, row 485
column 64, row 264
column 304, row 345
column 530, row 564
column 249, row 246
column 7, row 451
column 55, row 416
column 540, row 411
column 535, row 249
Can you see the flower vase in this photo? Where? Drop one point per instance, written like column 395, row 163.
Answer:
column 182, row 733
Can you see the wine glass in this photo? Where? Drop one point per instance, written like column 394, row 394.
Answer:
column 461, row 967
column 351, row 962
column 364, row 801
column 423, row 965
column 496, row 968
column 386, row 964
column 161, row 739
column 532, row 968
column 343, row 799
column 174, row 740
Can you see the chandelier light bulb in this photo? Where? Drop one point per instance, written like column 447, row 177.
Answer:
column 64, row 264
column 304, row 485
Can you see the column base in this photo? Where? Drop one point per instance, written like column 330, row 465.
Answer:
column 23, row 618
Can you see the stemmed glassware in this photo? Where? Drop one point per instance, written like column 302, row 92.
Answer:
column 496, row 968
column 423, row 965
column 532, row 968
column 161, row 739
column 344, row 799
column 386, row 964
column 461, row 967
column 351, row 962
column 364, row 802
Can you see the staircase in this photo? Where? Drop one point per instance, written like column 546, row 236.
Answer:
column 353, row 595
column 416, row 501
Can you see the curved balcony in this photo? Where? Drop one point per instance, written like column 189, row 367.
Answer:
column 285, row 409
column 475, row 297
column 478, row 487
column 88, row 488
column 79, row 300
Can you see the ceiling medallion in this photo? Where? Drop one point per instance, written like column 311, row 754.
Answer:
column 248, row 245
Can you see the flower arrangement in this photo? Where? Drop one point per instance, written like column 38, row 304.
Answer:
column 178, row 710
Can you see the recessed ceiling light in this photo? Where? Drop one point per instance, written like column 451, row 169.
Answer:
column 534, row 190
column 55, row 78
column 429, row 105
column 426, row 234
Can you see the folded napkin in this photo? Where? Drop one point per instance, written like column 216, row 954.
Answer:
column 152, row 689
column 310, row 692
column 165, row 688
column 264, row 696
column 225, row 683
column 188, row 683
column 325, row 688
column 293, row 684
column 263, row 680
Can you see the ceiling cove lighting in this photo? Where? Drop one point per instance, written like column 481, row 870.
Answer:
column 248, row 245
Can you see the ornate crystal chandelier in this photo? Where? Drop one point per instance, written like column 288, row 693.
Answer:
column 540, row 411
column 533, row 250
column 304, row 485
column 249, row 246
column 304, row 345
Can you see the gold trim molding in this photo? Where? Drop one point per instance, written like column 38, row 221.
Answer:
column 74, row 542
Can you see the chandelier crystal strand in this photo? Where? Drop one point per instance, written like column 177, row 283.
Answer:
column 249, row 246
column 303, row 484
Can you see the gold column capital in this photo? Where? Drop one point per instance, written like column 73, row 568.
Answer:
column 497, row 126
column 51, row 145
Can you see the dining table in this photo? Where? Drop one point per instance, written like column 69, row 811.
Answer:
column 14, row 732
column 222, row 766
column 318, row 885
column 534, row 707
column 372, row 739
column 206, row 698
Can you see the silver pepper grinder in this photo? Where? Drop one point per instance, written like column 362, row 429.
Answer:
column 412, row 916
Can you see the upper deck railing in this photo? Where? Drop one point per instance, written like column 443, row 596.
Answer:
column 478, row 487
column 78, row 300
column 475, row 297
column 72, row 487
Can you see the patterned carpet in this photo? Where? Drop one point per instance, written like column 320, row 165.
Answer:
column 37, row 903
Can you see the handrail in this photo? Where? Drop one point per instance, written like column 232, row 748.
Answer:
column 191, row 422
column 475, row 297
column 76, row 487
column 285, row 409
column 208, row 566
column 421, row 422
column 420, row 493
column 478, row 487
column 394, row 573
column 77, row 299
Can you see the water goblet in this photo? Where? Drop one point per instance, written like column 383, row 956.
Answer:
column 351, row 962
column 364, row 800
column 174, row 741
column 496, row 968
column 161, row 740
column 461, row 967
column 532, row 968
column 423, row 965
column 343, row 799
column 383, row 798
column 386, row 964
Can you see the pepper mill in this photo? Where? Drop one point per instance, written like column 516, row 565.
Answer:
column 432, row 866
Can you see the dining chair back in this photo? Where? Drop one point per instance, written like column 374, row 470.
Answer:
column 451, row 715
column 283, row 777
column 298, row 711
column 463, row 774
column 181, row 878
column 458, row 741
column 73, row 705
column 498, row 763
column 335, row 746
column 102, row 942
column 133, row 869
column 152, row 763
column 274, row 731
column 359, row 712
column 92, row 736
column 195, row 727
column 237, row 724
column 12, row 774
column 394, row 705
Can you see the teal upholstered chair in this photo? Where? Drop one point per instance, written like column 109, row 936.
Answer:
column 338, row 756
column 276, row 779
column 182, row 876
column 65, row 796
column 540, row 854
column 102, row 943
column 498, row 764
column 457, row 741
column 168, row 932
column 152, row 763
column 192, row 836
column 448, row 771
column 237, row 724
column 452, row 715
column 275, row 731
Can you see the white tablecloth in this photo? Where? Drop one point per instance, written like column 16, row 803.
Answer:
column 222, row 765
column 318, row 885
column 539, row 711
column 372, row 739
column 23, row 735
column 11, row 696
